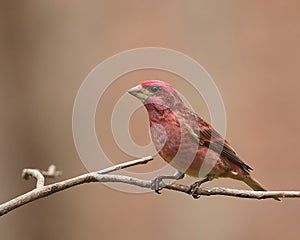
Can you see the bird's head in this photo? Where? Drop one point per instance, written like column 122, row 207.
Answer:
column 157, row 93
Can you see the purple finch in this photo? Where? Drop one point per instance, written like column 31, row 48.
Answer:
column 185, row 141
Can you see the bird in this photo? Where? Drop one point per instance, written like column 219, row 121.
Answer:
column 186, row 141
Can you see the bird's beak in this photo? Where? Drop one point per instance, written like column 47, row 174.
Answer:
column 139, row 92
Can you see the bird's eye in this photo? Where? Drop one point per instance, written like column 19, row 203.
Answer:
column 154, row 88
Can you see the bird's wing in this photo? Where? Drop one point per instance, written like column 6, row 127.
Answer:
column 210, row 138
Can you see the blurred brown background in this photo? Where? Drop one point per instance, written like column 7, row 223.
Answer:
column 251, row 49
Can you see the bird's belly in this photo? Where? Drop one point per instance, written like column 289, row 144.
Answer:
column 185, row 154
column 194, row 160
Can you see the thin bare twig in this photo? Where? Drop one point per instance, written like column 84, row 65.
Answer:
column 126, row 165
column 51, row 172
column 40, row 175
column 40, row 179
column 45, row 190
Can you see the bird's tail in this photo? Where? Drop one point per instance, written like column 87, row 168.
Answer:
column 254, row 184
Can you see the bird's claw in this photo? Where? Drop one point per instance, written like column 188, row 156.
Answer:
column 196, row 185
column 156, row 184
column 193, row 190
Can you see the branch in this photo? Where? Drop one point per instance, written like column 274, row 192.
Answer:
column 42, row 190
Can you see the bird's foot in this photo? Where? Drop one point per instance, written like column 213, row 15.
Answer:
column 195, row 186
column 157, row 184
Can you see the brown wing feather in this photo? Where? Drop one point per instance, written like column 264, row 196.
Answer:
column 212, row 139
column 205, row 135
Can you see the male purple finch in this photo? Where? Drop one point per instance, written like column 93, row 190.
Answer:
column 185, row 141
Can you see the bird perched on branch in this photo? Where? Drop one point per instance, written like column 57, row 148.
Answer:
column 188, row 143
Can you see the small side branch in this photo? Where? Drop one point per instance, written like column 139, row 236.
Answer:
column 40, row 175
column 43, row 190
column 40, row 179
